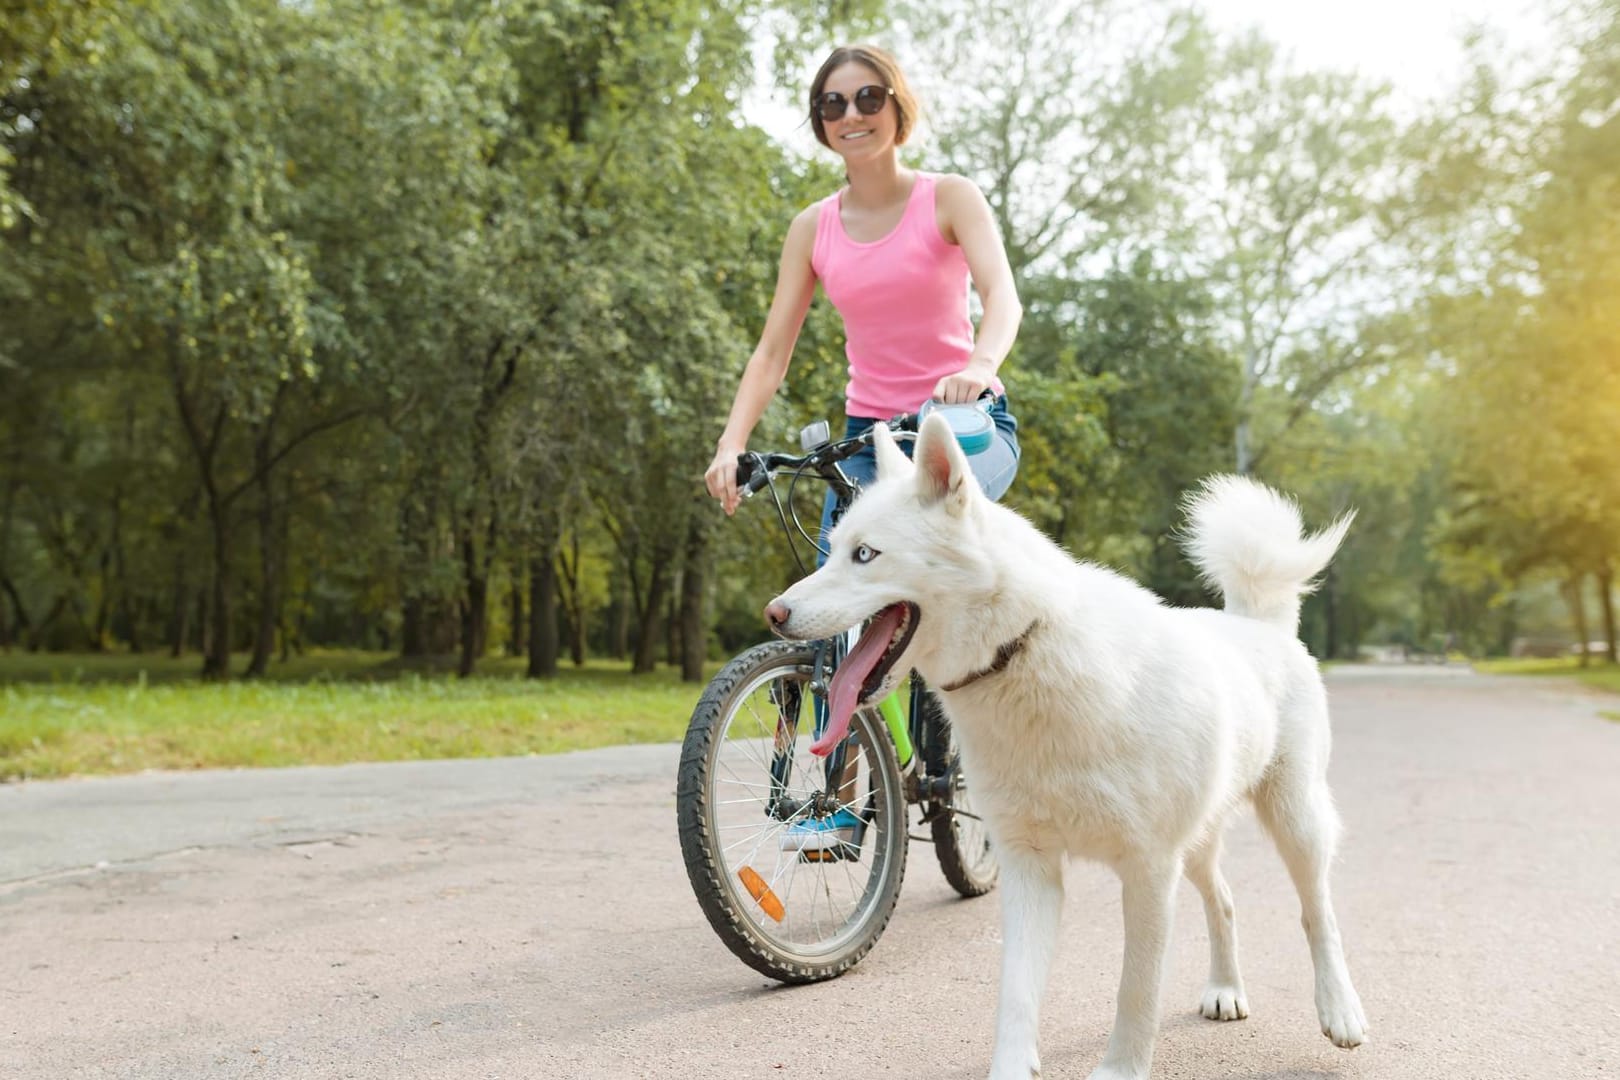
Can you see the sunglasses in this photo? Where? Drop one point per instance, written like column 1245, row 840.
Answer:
column 830, row 107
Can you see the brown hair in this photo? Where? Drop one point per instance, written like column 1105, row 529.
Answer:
column 887, row 68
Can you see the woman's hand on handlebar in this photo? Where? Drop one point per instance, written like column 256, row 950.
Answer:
column 721, row 477
column 966, row 385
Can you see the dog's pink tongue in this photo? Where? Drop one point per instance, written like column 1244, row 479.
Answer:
column 851, row 675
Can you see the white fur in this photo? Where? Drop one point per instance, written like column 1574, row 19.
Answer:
column 1126, row 731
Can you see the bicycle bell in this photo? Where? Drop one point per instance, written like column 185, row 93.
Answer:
column 814, row 434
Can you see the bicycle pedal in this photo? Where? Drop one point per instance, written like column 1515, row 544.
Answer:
column 837, row 853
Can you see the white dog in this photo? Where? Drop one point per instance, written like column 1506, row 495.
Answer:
column 1096, row 721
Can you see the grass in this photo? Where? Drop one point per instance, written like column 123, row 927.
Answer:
column 1599, row 674
column 82, row 714
column 88, row 715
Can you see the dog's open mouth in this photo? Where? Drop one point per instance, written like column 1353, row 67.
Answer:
column 861, row 675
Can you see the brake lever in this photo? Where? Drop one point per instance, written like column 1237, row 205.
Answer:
column 751, row 474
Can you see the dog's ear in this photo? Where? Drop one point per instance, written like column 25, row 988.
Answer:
column 891, row 460
column 942, row 468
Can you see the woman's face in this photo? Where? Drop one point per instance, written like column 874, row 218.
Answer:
column 857, row 137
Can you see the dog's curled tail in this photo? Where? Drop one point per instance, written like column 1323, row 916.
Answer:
column 1247, row 541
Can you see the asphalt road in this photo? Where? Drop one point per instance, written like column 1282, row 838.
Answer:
column 530, row 918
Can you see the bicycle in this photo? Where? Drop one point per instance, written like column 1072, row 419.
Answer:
column 748, row 787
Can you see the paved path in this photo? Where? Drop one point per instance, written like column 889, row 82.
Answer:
column 529, row 918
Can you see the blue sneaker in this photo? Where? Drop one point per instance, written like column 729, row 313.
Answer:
column 822, row 834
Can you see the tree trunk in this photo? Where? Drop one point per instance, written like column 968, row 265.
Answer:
column 270, row 560
column 652, row 617
column 621, row 623
column 543, row 613
column 10, row 629
column 421, row 538
column 694, row 583
column 1577, row 610
column 199, row 637
column 567, row 572
column 19, row 628
column 1605, row 580
column 36, row 637
column 576, row 635
column 517, row 637
column 104, row 602
column 126, row 606
column 217, row 654
column 180, row 616
column 264, row 634
column 474, row 609
column 1251, row 378
column 412, row 639
column 672, row 626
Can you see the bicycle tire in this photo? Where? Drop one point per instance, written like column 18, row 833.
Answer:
column 800, row 950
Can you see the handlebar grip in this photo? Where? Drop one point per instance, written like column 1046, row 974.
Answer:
column 751, row 473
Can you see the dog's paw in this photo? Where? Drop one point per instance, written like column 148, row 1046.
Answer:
column 1015, row 1066
column 1342, row 1018
column 1224, row 1003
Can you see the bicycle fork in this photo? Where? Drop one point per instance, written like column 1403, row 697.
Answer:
column 919, row 786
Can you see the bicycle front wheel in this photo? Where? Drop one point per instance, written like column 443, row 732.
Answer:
column 791, row 895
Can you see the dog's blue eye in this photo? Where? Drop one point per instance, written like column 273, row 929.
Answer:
column 864, row 554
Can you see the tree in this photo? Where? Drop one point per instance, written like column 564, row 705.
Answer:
column 1292, row 193
column 1539, row 487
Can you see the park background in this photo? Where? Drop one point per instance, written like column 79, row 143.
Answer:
column 348, row 347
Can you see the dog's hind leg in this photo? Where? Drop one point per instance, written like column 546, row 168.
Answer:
column 1298, row 812
column 1223, row 997
column 1031, row 903
column 1149, row 893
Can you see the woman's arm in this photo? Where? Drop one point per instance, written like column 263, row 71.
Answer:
column 965, row 219
column 795, row 288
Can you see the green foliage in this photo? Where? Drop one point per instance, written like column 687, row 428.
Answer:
column 1129, row 401
column 342, row 321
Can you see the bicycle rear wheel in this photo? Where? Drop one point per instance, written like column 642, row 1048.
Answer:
column 961, row 841
column 747, row 777
column 963, row 844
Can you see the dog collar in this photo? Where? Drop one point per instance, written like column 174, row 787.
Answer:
column 1004, row 656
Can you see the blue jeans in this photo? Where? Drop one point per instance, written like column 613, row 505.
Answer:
column 862, row 468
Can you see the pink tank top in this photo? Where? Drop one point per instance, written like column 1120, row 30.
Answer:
column 904, row 300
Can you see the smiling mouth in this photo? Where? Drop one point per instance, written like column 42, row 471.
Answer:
column 861, row 674
column 908, row 615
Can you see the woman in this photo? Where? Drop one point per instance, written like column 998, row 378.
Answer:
column 893, row 250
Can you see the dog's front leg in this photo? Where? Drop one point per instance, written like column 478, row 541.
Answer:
column 1149, row 890
column 1031, row 903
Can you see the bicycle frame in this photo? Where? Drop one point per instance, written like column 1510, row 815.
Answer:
column 906, row 737
column 846, row 817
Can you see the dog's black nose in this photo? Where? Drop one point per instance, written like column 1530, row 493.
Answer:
column 776, row 613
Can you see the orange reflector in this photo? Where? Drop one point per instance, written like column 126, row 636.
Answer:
column 762, row 893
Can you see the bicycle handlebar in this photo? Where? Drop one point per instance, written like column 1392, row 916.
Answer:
column 755, row 470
